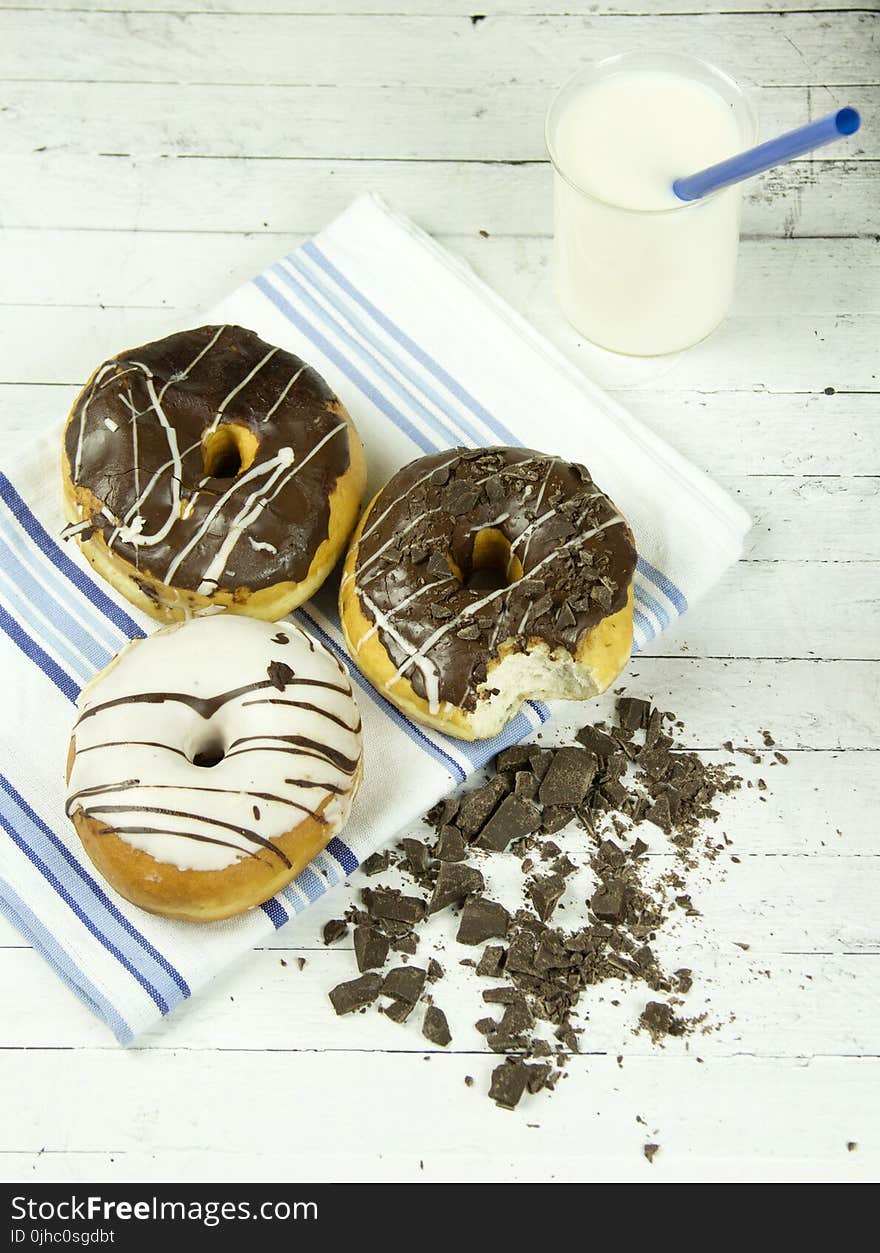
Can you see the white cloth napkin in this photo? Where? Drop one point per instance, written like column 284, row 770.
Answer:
column 424, row 356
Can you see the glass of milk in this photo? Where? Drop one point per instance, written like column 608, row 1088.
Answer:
column 637, row 270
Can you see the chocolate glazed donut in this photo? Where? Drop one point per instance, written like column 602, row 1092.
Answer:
column 211, row 470
column 481, row 578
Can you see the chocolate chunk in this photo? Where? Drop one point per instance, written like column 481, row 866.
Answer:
column 650, row 1150
column 658, row 1019
column 539, row 1075
column 513, row 819
column 460, row 498
column 398, row 1011
column 440, row 477
column 435, row 1027
column 375, row 863
column 405, row 983
column 609, row 903
column 280, row 638
column 450, row 845
column 334, row 930
column 469, row 632
column 443, row 812
column 370, row 948
column 509, row 1081
column 438, row 567
column 454, row 882
column 568, row 777
column 555, row 817
column 660, row 814
column 491, row 963
column 441, row 612
column 417, row 857
column 565, row 617
column 639, row 846
column 482, row 920
column 435, row 970
column 356, row 994
column 389, row 903
column 539, row 760
column 633, row 714
column 525, row 785
column 514, row 758
column 683, row 980
column 545, row 892
column 406, row 943
column 280, row 674
column 596, row 741
column 486, row 1026
column 611, row 853
column 477, row 806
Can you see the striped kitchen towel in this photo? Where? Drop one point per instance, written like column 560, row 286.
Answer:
column 425, row 357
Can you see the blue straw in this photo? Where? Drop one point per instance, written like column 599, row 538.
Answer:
column 774, row 152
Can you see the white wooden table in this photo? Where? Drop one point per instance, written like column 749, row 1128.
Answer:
column 151, row 159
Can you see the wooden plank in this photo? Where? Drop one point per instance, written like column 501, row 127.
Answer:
column 755, row 1002
column 735, row 1118
column 398, row 121
column 774, row 433
column 156, row 268
column 168, row 47
column 803, row 198
column 298, row 197
column 822, row 349
column 462, row 8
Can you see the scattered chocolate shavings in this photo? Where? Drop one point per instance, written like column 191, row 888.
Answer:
column 356, row 994
column 435, row 1027
column 280, row 638
column 659, row 1020
column 334, row 930
column 613, row 779
column 482, row 920
column 280, row 674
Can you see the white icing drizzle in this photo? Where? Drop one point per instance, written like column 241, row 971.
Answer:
column 290, row 741
column 261, row 546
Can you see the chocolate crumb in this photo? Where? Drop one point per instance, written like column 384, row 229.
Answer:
column 650, row 1150
column 435, row 1027
column 334, row 930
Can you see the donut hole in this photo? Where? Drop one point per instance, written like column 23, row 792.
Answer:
column 492, row 565
column 228, row 451
column 210, row 751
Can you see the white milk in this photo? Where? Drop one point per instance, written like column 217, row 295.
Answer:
column 636, row 270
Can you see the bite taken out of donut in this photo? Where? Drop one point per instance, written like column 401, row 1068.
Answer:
column 480, row 578
column 211, row 470
column 211, row 762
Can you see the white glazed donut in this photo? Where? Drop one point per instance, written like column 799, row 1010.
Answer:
column 211, row 762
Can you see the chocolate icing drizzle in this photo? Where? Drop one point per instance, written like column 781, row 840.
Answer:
column 136, row 440
column 416, row 583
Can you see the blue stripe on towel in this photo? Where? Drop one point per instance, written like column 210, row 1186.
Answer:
column 286, row 308
column 368, row 353
column 25, row 921
column 88, row 893
column 84, row 917
column 501, row 432
column 68, row 568
column 38, row 656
